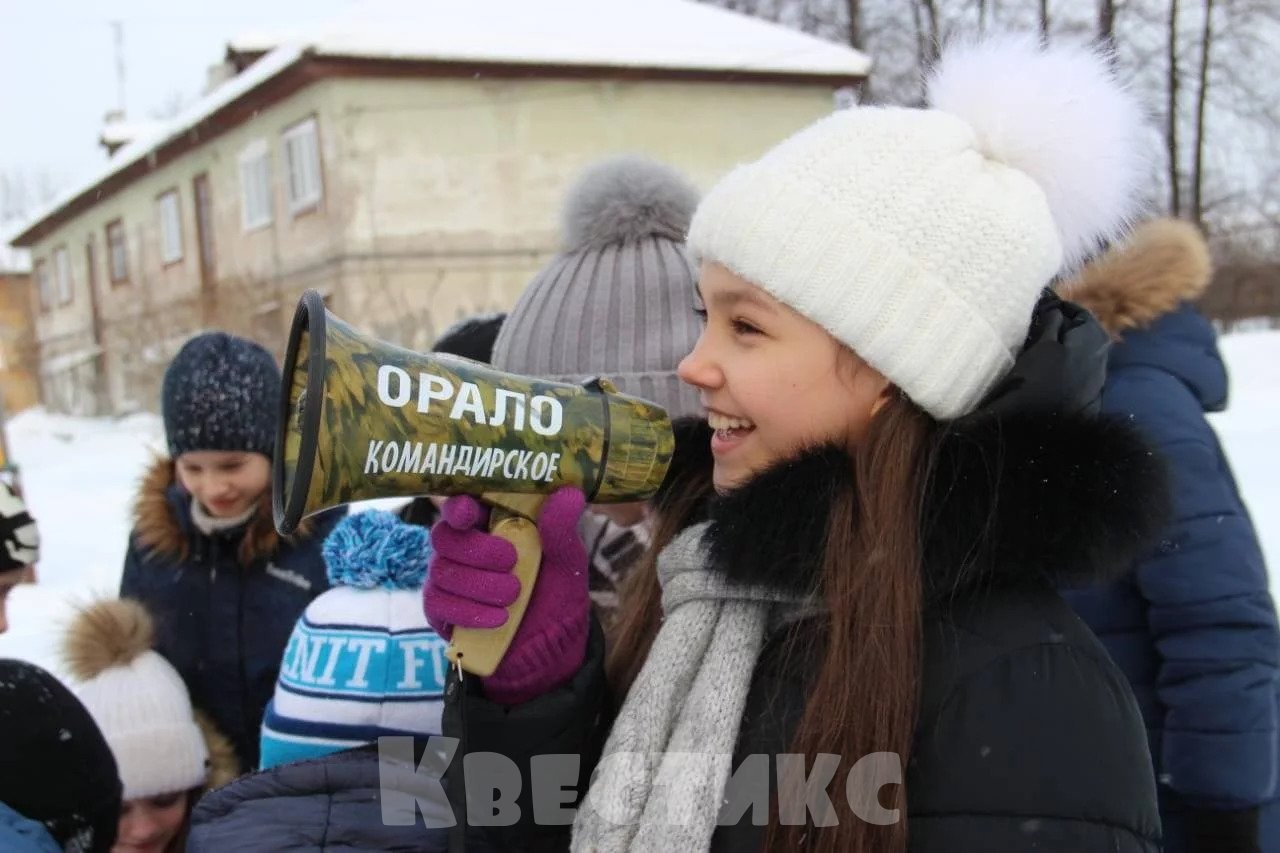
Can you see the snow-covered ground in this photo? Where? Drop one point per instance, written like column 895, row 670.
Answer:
column 1250, row 429
column 80, row 475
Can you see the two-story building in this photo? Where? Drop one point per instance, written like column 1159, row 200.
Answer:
column 407, row 160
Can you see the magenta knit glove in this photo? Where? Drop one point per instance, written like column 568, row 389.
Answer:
column 470, row 583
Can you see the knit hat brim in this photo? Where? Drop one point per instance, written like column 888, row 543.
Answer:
column 897, row 316
column 383, row 673
column 160, row 759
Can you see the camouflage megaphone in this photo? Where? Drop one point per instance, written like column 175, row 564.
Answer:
column 364, row 419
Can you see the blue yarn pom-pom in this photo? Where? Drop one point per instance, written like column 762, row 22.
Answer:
column 376, row 549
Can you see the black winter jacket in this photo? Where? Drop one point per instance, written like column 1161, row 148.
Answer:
column 334, row 803
column 224, row 605
column 1028, row 737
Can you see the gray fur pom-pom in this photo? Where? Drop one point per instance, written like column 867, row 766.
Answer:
column 627, row 198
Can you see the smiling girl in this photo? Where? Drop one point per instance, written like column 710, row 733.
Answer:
column 204, row 555
column 906, row 459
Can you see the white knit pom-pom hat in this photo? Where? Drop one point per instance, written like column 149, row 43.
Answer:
column 137, row 699
column 922, row 238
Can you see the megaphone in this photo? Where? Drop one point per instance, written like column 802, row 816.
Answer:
column 363, row 419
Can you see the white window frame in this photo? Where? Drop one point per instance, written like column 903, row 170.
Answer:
column 44, row 284
column 304, row 181
column 256, row 206
column 117, row 274
column 169, row 212
column 62, row 275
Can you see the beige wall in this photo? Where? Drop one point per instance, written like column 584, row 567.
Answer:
column 240, row 254
column 441, row 199
column 457, row 185
column 17, row 344
column 145, row 319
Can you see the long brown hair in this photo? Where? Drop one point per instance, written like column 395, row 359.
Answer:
column 680, row 502
column 863, row 697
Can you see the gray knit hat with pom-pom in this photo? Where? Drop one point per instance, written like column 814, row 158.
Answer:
column 618, row 299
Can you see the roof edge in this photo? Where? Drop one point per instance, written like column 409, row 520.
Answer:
column 311, row 67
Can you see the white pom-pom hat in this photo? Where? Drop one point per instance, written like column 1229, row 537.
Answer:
column 137, row 699
column 922, row 238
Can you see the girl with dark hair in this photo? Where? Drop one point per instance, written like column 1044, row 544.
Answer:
column 906, row 461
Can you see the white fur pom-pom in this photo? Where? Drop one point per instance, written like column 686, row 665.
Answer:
column 1059, row 115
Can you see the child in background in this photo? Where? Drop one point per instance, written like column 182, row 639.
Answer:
column 59, row 789
column 612, row 547
column 21, row 549
column 204, row 557
column 614, row 302
column 362, row 664
column 1194, row 626
column 166, row 754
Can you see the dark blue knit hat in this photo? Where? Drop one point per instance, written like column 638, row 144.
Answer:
column 221, row 392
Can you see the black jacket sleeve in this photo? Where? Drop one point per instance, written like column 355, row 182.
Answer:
column 570, row 721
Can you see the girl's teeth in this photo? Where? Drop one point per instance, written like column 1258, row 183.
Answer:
column 726, row 424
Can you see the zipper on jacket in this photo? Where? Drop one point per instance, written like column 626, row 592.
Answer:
column 455, row 698
column 246, row 701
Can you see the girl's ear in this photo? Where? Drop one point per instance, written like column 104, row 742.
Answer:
column 885, row 395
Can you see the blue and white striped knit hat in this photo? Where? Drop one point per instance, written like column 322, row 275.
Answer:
column 362, row 661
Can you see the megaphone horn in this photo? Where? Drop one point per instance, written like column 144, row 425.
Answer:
column 363, row 419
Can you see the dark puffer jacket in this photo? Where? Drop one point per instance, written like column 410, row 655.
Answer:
column 1194, row 627
column 341, row 802
column 224, row 604
column 1028, row 737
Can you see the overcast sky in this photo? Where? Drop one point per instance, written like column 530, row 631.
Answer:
column 58, row 69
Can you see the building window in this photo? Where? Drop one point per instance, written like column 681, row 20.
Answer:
column 91, row 264
column 170, row 227
column 255, row 185
column 43, row 286
column 302, row 159
column 62, row 274
column 117, row 253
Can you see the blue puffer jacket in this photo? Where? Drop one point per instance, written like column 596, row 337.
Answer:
column 1194, row 628
column 335, row 803
column 224, row 604
column 20, row 835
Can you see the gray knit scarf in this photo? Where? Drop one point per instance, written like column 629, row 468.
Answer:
column 688, row 698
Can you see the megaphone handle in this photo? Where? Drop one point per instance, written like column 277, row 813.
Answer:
column 480, row 650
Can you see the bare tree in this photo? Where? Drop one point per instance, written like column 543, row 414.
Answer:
column 930, row 9
column 853, row 10
column 1202, row 97
column 1218, row 110
column 1171, row 128
column 1106, row 22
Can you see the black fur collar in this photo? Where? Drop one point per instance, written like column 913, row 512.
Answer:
column 1021, row 499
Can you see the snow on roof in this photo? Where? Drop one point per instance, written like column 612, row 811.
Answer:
column 124, row 132
column 261, row 71
column 665, row 34
column 676, row 34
